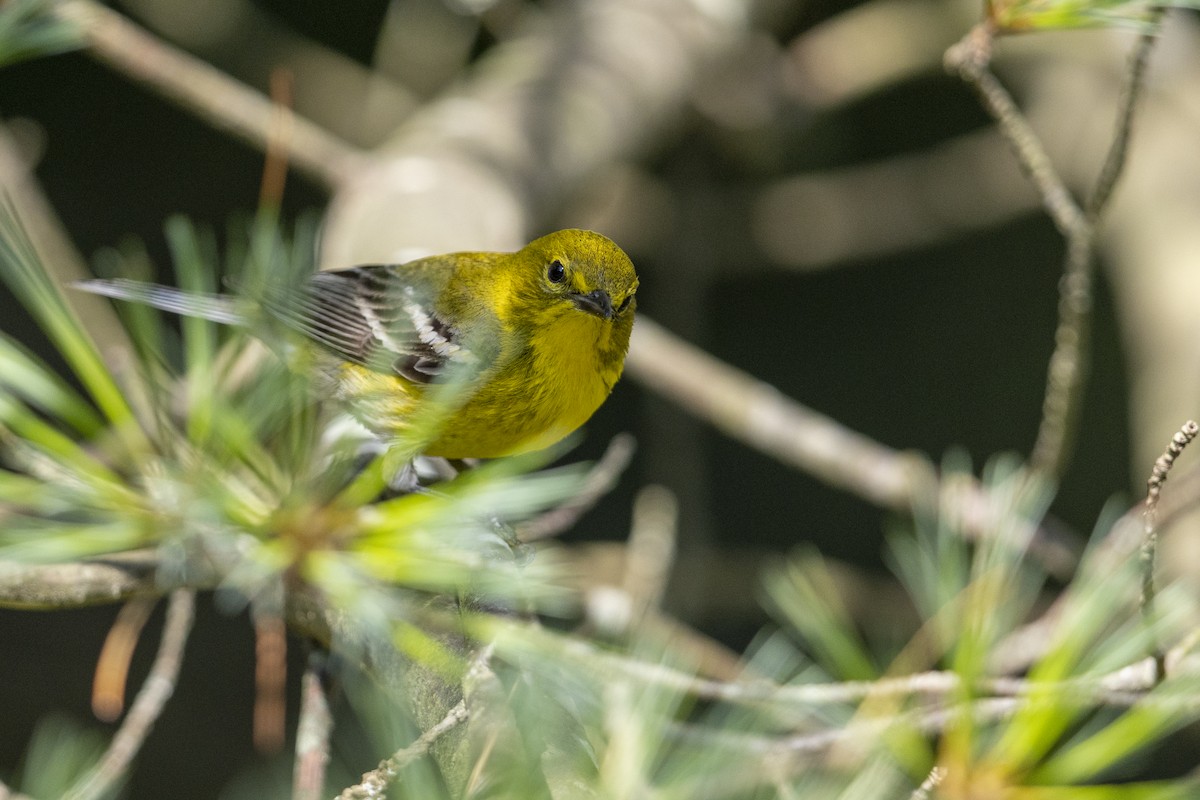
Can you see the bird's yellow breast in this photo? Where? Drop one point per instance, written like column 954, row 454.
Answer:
column 545, row 385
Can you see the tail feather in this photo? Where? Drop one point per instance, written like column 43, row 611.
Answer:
column 216, row 307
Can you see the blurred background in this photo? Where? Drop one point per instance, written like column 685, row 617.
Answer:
column 815, row 201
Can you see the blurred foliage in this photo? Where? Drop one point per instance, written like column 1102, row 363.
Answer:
column 1027, row 16
column 60, row 753
column 1067, row 728
column 29, row 30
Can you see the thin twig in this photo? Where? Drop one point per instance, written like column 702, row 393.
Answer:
column 312, row 734
column 1118, row 688
column 1067, row 367
column 147, row 706
column 969, row 58
column 375, row 782
column 931, row 782
column 1131, row 91
column 1149, row 549
column 1068, row 364
column 208, row 92
column 599, row 482
column 489, row 709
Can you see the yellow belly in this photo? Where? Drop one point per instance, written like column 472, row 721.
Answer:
column 529, row 407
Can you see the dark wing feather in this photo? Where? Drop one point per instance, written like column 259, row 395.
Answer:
column 371, row 317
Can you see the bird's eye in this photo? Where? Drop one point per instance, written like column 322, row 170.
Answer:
column 556, row 272
column 624, row 304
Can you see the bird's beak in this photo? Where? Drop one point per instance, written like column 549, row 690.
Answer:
column 597, row 302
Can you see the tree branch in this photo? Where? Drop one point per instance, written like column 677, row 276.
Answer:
column 113, row 579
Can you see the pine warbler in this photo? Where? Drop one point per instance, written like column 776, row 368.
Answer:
column 540, row 333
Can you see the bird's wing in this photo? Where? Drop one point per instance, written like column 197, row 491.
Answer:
column 375, row 316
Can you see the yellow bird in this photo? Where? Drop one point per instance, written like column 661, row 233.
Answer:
column 537, row 338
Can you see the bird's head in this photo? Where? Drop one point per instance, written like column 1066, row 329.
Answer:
column 580, row 272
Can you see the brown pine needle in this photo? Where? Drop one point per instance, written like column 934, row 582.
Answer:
column 112, row 668
column 270, row 675
column 279, row 139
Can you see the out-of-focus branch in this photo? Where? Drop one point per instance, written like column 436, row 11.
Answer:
column 870, row 47
column 582, row 87
column 1121, row 687
column 822, row 220
column 146, row 708
column 599, row 482
column 756, row 413
column 114, row 579
column 206, row 91
column 312, row 735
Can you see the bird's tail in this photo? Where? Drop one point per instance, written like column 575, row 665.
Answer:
column 216, row 307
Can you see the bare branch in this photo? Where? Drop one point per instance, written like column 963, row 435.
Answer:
column 1119, row 688
column 148, row 705
column 375, row 782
